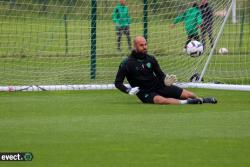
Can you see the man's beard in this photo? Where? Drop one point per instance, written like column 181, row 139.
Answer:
column 145, row 51
column 142, row 54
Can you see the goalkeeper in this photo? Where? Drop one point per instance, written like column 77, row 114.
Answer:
column 148, row 81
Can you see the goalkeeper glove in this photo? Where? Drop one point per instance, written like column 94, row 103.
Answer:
column 133, row 91
column 170, row 79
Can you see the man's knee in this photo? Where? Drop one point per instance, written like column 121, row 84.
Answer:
column 163, row 100
column 158, row 100
column 127, row 33
column 119, row 32
column 187, row 94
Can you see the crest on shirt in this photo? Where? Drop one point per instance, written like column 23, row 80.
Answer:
column 148, row 65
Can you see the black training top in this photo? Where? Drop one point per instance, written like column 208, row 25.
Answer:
column 141, row 70
column 207, row 14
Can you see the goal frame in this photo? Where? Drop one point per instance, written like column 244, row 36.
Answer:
column 198, row 84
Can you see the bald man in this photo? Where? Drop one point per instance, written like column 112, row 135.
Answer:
column 149, row 83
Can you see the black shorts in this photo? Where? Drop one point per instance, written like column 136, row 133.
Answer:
column 165, row 91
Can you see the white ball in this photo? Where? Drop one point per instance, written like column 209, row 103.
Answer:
column 223, row 50
column 194, row 48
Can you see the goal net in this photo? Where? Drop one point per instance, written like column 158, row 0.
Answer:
column 72, row 44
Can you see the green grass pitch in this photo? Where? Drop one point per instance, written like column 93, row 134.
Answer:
column 111, row 129
column 108, row 128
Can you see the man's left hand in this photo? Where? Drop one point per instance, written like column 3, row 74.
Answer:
column 170, row 79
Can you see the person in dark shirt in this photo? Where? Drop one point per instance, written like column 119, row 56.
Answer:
column 149, row 82
column 207, row 24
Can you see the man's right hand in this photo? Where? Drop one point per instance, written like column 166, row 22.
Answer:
column 133, row 91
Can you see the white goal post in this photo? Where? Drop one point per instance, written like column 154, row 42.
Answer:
column 72, row 45
column 234, row 20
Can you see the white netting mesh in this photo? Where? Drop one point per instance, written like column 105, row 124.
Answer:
column 48, row 42
column 233, row 67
